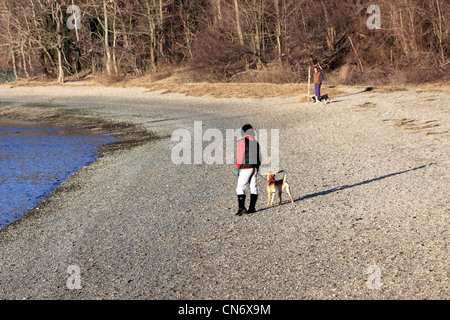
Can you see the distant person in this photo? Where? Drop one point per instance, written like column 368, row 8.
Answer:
column 317, row 79
column 248, row 160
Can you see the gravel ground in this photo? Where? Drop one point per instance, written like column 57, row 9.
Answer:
column 370, row 190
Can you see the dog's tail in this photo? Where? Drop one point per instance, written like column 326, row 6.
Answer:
column 285, row 174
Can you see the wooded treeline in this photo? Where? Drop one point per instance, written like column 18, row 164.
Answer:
column 222, row 40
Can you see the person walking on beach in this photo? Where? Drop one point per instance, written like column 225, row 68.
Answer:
column 317, row 79
column 248, row 161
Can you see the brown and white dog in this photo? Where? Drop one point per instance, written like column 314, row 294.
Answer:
column 274, row 186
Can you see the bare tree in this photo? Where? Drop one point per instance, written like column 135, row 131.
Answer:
column 57, row 16
column 222, row 38
column 150, row 5
column 108, row 56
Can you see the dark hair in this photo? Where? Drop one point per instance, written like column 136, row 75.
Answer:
column 247, row 129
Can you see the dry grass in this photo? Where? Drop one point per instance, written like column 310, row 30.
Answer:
column 437, row 133
column 366, row 105
column 425, row 125
column 217, row 90
column 177, row 82
column 230, row 90
column 21, row 83
column 404, row 122
column 444, row 88
column 387, row 89
column 410, row 124
column 240, row 90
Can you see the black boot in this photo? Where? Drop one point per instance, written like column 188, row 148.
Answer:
column 241, row 201
column 253, row 199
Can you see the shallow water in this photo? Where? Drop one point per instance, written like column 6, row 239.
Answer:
column 36, row 158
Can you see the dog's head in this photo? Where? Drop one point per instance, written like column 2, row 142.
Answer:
column 270, row 175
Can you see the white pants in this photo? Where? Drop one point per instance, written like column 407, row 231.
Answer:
column 247, row 176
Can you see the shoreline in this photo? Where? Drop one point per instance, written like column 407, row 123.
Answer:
column 127, row 135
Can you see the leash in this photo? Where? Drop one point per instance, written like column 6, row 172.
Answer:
column 263, row 177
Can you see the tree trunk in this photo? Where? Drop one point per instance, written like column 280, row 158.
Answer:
column 60, row 67
column 218, row 15
column 107, row 47
column 76, row 29
column 238, row 24
column 331, row 31
column 239, row 31
column 187, row 32
column 278, row 30
column 440, row 33
column 309, row 81
column 151, row 33
column 356, row 54
column 24, row 62
column 162, row 31
column 114, row 59
column 58, row 18
column 14, row 65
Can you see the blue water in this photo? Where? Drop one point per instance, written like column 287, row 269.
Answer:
column 35, row 159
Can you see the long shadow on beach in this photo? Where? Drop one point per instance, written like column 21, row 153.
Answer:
column 359, row 92
column 348, row 186
column 350, row 94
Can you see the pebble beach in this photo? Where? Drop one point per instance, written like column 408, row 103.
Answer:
column 369, row 173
